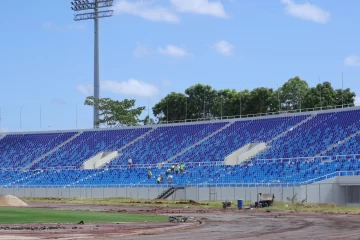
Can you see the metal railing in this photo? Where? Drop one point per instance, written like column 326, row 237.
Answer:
column 200, row 164
column 259, row 114
column 199, row 185
column 204, row 184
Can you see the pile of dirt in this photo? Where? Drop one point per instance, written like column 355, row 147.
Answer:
column 11, row 201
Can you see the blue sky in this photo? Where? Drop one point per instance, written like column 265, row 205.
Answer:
column 152, row 47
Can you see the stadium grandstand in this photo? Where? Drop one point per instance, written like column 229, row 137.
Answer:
column 280, row 151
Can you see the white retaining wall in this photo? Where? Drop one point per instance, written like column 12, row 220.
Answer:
column 315, row 193
column 340, row 190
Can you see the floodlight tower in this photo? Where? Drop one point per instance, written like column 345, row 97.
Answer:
column 81, row 5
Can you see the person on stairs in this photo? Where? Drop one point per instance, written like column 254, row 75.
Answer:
column 149, row 173
column 170, row 179
column 160, row 178
column 177, row 169
column 182, row 167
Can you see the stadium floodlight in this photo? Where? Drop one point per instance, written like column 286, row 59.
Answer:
column 80, row 5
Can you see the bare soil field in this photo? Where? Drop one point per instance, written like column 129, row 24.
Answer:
column 210, row 224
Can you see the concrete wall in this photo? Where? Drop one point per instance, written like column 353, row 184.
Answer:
column 194, row 193
column 341, row 194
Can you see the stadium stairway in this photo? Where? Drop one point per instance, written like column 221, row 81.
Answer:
column 295, row 126
column 314, row 136
column 168, row 192
column 331, row 147
column 268, row 143
column 198, row 143
column 51, row 151
column 165, row 142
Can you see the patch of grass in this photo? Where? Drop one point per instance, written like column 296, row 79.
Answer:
column 129, row 202
column 34, row 215
column 294, row 206
column 313, row 207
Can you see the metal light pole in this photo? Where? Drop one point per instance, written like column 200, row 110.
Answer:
column 240, row 103
column 76, row 115
column 279, row 98
column 20, row 117
column 167, row 111
column 320, row 93
column 342, row 90
column 0, row 119
column 300, row 98
column 82, row 5
column 40, row 116
column 221, row 106
column 204, row 104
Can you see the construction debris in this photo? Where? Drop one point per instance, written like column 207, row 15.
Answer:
column 177, row 219
column 191, row 202
column 226, row 204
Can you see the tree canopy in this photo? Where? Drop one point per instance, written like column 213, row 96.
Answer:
column 114, row 113
column 202, row 101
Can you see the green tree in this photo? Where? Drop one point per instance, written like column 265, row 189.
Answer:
column 227, row 103
column 201, row 101
column 171, row 108
column 116, row 113
column 344, row 97
column 324, row 95
column 149, row 121
column 260, row 101
column 275, row 101
column 292, row 93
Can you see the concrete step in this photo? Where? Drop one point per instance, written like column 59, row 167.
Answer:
column 295, row 126
column 135, row 140
column 337, row 144
column 197, row 143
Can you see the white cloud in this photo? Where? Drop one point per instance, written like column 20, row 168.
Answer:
column 141, row 51
column 205, row 7
column 352, row 61
column 131, row 87
column 145, row 10
column 174, row 51
column 86, row 89
column 223, row 47
column 306, row 11
column 357, row 101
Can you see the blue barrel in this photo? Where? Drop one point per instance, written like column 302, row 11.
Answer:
column 240, row 204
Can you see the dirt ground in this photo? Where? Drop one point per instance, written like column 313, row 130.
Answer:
column 209, row 224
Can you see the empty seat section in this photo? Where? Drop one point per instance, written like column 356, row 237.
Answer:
column 87, row 145
column 290, row 157
column 314, row 136
column 18, row 151
column 348, row 147
column 236, row 136
column 165, row 142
